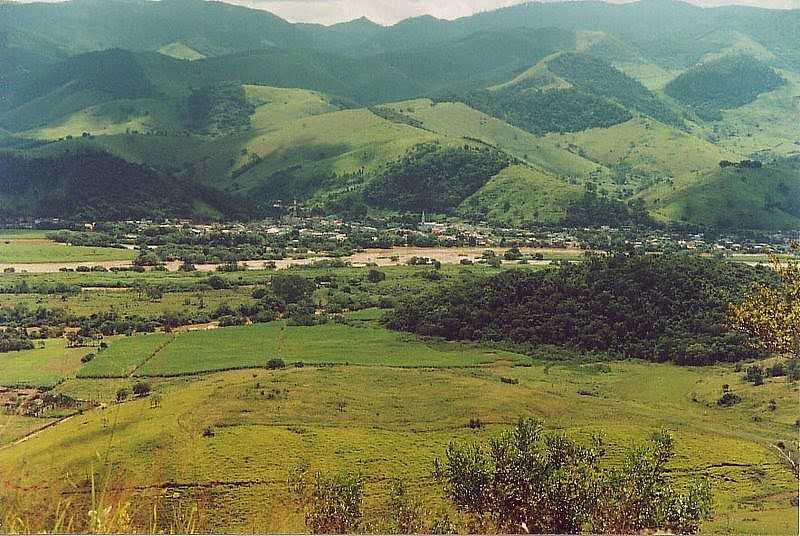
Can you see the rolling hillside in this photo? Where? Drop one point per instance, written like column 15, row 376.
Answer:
column 767, row 198
column 572, row 98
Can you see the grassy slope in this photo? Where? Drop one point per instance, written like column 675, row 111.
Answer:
column 522, row 194
column 338, row 142
column 767, row 124
column 459, row 120
column 275, row 106
column 180, row 51
column 111, row 118
column 647, row 146
column 391, row 422
column 732, row 198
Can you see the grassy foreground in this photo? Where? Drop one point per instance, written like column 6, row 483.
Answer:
column 227, row 440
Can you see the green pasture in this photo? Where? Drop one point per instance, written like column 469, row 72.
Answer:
column 252, row 346
column 18, row 248
column 41, row 367
column 392, row 422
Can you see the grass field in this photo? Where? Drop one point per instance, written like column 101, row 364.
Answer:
column 41, row 367
column 387, row 422
column 21, row 248
column 252, row 346
column 124, row 355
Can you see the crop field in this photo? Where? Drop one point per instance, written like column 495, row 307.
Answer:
column 391, row 422
column 124, row 356
column 41, row 367
column 252, row 346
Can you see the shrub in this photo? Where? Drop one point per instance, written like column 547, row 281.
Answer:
column 141, row 389
column 729, row 399
column 332, row 504
column 87, row 358
column 275, row 364
column 122, row 394
column 545, row 483
column 375, row 276
column 754, row 375
column 510, row 381
column 217, row 283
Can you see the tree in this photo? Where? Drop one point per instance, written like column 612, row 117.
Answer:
column 772, row 314
column 538, row 482
column 292, row 288
column 375, row 276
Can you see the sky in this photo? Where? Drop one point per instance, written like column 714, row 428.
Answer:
column 392, row 11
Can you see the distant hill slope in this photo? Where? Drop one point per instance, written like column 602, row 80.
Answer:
column 765, row 198
column 729, row 82
column 90, row 185
column 569, row 92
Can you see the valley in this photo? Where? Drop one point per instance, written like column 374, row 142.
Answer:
column 530, row 270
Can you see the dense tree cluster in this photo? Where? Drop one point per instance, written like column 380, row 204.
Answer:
column 435, row 178
column 598, row 77
column 91, row 185
column 12, row 340
column 540, row 111
column 591, row 210
column 659, row 308
column 218, row 109
column 729, row 82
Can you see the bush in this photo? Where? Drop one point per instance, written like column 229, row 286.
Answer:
column 141, row 389
column 533, row 481
column 275, row 364
column 122, row 394
column 217, row 283
column 87, row 358
column 729, row 399
column 754, row 375
column 375, row 276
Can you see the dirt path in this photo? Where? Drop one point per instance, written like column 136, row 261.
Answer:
column 381, row 257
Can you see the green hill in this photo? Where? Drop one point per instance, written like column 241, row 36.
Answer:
column 90, row 186
column 521, row 195
column 765, row 198
column 569, row 92
column 729, row 82
column 641, row 152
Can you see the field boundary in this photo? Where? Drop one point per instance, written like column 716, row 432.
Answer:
column 169, row 341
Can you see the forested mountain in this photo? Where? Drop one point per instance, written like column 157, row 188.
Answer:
column 536, row 113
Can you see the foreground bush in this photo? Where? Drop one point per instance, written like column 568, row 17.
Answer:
column 529, row 480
